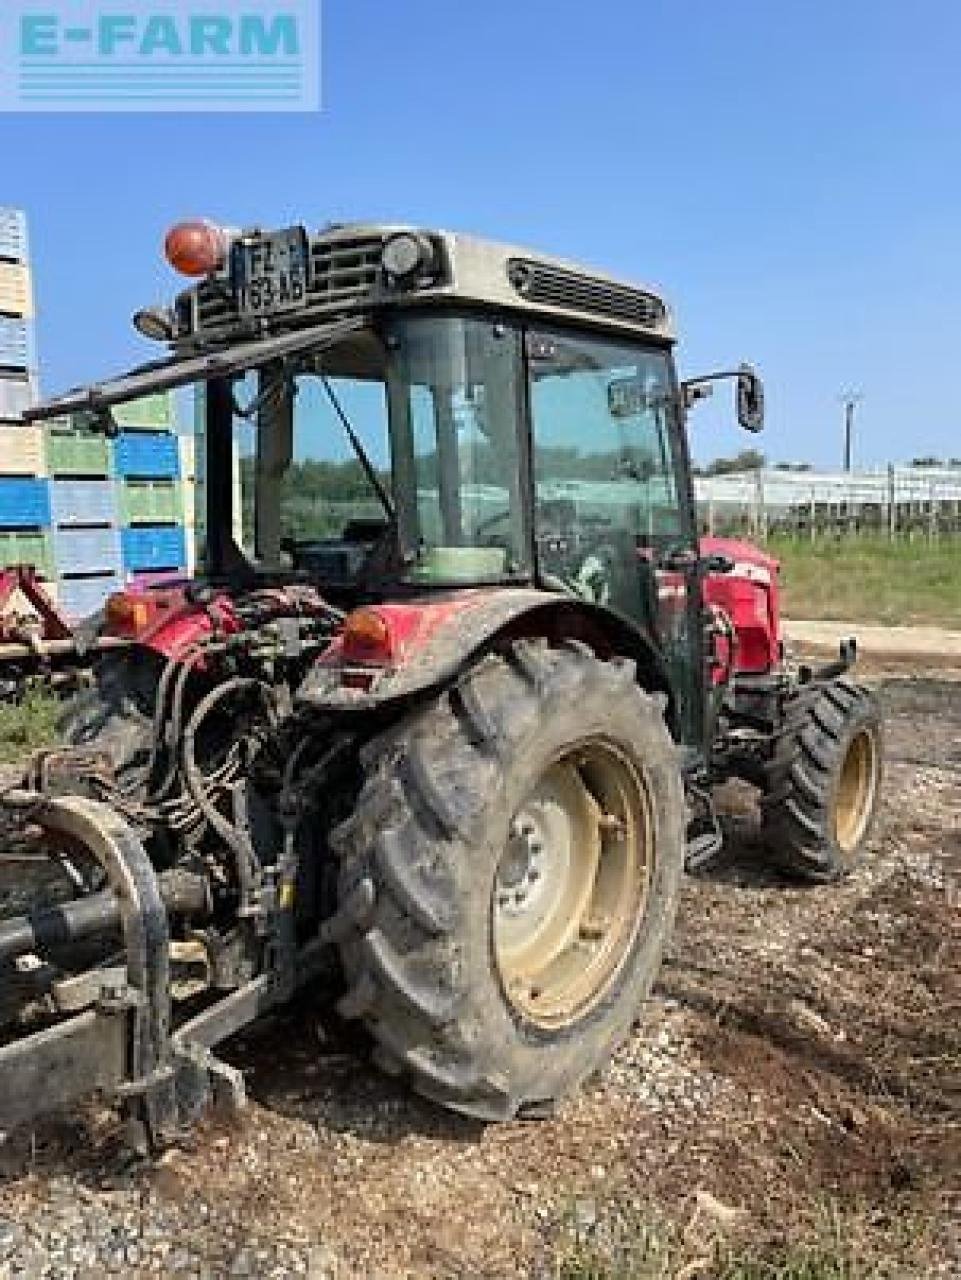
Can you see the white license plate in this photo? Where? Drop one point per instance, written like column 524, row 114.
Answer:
column 271, row 272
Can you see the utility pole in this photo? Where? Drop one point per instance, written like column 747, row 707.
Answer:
column 849, row 399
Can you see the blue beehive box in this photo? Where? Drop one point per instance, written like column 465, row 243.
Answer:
column 146, row 455
column 154, row 547
column 87, row 550
column 79, row 502
column 24, row 504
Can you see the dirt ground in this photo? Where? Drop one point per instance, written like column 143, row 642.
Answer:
column 792, row 1091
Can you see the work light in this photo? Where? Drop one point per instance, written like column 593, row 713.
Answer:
column 156, row 323
column 406, row 255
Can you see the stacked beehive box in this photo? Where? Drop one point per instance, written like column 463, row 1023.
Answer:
column 117, row 507
column 89, row 514
column 83, row 504
column 24, row 491
column 18, row 341
column 151, row 494
column 24, row 500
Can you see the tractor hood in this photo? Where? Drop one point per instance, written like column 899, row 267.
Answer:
column 181, row 371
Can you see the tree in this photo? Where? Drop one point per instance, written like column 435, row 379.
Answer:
column 746, row 460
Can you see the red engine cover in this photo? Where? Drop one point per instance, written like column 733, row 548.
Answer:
column 749, row 597
column 166, row 621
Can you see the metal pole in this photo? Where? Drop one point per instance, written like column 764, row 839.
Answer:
column 849, row 399
column 892, row 505
column 848, row 425
column 760, row 523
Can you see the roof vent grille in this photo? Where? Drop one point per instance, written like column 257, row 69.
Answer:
column 570, row 290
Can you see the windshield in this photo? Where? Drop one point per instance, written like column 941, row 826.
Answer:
column 456, row 401
column 428, row 411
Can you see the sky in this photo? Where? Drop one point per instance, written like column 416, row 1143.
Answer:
column 789, row 174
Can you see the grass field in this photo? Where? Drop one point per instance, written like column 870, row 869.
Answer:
column 27, row 725
column 868, row 579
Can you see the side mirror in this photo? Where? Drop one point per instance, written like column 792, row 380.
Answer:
column 750, row 399
column 750, row 394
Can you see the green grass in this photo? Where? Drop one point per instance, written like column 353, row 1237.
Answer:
column 792, row 1263
column 822, row 1242
column 28, row 724
column 871, row 579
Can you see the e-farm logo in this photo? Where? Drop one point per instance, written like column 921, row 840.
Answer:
column 160, row 55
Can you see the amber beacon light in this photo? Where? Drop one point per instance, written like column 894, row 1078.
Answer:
column 196, row 248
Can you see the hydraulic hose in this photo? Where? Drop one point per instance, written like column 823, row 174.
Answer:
column 192, row 657
column 245, row 857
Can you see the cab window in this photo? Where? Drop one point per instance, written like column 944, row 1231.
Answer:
column 606, row 477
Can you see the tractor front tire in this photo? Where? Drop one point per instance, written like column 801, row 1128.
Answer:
column 516, row 851
column 823, row 783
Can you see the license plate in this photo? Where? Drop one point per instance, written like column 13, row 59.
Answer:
column 271, row 272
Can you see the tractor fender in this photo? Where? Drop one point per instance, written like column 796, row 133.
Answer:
column 431, row 641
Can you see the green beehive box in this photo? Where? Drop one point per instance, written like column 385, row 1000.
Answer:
column 27, row 549
column 72, row 454
column 151, row 502
column 149, row 413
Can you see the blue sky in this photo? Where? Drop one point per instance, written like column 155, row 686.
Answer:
column 788, row 173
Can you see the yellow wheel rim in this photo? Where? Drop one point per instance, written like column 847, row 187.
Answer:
column 572, row 884
column 856, row 790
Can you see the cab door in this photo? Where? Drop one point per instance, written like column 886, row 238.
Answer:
column 613, row 518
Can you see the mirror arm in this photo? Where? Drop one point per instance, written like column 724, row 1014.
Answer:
column 699, row 388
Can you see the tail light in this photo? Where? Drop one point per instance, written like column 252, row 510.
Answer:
column 366, row 637
column 197, row 248
column 130, row 614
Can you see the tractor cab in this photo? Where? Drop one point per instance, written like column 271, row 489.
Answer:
column 390, row 412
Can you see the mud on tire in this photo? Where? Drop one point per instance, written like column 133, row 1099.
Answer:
column 422, row 851
column 823, row 783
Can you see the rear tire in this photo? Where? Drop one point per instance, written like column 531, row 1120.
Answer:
column 115, row 713
column 823, row 784
column 459, row 801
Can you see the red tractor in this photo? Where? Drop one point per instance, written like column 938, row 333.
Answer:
column 446, row 701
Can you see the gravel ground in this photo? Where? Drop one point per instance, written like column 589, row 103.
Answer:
column 797, row 1075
